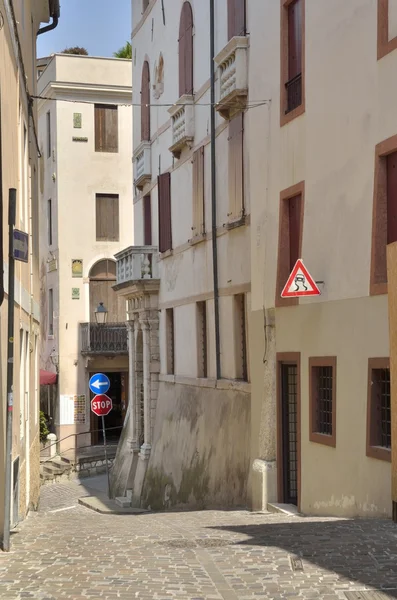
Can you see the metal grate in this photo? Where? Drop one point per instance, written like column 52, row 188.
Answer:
column 324, row 377
column 294, row 93
column 289, row 400
column 381, row 407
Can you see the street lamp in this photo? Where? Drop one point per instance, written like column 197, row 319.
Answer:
column 101, row 314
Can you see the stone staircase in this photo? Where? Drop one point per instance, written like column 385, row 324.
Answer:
column 88, row 463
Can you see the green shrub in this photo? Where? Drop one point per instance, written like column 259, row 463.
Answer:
column 44, row 431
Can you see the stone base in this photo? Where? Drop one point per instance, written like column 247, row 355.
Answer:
column 266, row 471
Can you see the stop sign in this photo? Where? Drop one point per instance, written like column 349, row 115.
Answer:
column 101, row 405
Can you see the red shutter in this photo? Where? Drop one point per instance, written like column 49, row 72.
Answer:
column 164, row 197
column 295, row 39
column 294, row 221
column 186, row 50
column 145, row 103
column 236, row 20
column 392, row 198
column 147, row 221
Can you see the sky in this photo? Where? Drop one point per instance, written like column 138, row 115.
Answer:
column 93, row 24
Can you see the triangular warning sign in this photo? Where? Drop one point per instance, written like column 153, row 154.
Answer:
column 300, row 283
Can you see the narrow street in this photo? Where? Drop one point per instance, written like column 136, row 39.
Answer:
column 66, row 551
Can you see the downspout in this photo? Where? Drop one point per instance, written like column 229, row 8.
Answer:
column 55, row 12
column 213, row 191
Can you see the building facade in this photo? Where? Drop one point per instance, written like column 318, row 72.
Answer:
column 85, row 123
column 19, row 25
column 187, row 439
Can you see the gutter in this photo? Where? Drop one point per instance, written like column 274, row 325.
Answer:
column 55, row 12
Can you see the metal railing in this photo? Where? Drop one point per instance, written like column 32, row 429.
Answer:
column 294, row 93
column 76, row 448
column 110, row 338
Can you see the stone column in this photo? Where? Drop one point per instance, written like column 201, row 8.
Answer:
column 132, row 429
column 147, row 445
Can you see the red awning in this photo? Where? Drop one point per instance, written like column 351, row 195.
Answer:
column 47, row 378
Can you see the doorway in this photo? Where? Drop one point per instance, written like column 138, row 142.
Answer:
column 289, row 429
column 115, row 419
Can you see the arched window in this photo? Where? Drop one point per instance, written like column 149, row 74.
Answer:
column 145, row 103
column 102, row 278
column 186, row 50
column 236, row 19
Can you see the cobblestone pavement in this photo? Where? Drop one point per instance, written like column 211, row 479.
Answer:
column 67, row 552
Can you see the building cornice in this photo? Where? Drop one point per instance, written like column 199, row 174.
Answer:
column 63, row 90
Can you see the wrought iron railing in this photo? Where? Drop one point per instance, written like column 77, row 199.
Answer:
column 110, row 338
column 294, row 93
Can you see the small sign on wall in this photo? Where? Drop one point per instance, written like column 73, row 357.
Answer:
column 75, row 293
column 77, row 267
column 77, row 120
column 72, row 409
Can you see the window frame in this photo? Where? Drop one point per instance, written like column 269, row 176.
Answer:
column 372, row 451
column 186, row 71
column 49, row 141
column 108, row 238
column 378, row 270
column 49, row 222
column 99, row 141
column 385, row 46
column 284, row 62
column 241, row 337
column 145, row 102
column 170, row 340
column 316, row 436
column 283, row 254
column 202, row 339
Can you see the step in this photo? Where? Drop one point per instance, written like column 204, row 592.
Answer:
column 284, row 509
column 123, row 502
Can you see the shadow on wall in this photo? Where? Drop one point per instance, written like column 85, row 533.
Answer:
column 361, row 550
column 201, row 450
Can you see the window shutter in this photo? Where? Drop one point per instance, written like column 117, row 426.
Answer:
column 186, row 50
column 145, row 103
column 198, row 192
column 392, row 198
column 147, row 221
column 294, row 39
column 99, row 128
column 236, row 167
column 164, row 199
column 294, row 222
column 107, row 218
column 111, row 128
column 236, row 19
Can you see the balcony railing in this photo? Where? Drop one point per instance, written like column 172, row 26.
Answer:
column 232, row 77
column 294, row 93
column 110, row 338
column 137, row 263
column 182, row 119
column 143, row 167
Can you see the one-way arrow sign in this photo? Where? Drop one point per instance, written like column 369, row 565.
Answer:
column 21, row 245
column 99, row 383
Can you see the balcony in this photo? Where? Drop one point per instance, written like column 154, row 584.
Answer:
column 143, row 167
column 232, row 65
column 182, row 122
column 109, row 339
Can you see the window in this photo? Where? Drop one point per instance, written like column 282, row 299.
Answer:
column 198, row 227
column 322, row 398
column 49, row 221
column 387, row 27
column 236, row 24
column 1, row 215
column 170, row 340
column 48, row 134
column 164, row 198
column 145, row 103
column 186, row 50
column 240, row 336
column 50, row 312
column 290, row 238
column 384, row 219
column 378, row 411
column 106, row 128
column 292, row 59
column 107, row 218
column 202, row 347
column 236, row 167
column 145, row 4
column 147, row 221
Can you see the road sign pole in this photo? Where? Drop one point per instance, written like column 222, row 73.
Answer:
column 106, row 453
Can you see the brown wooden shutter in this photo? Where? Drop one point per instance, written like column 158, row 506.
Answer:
column 295, row 39
column 106, row 128
column 99, row 127
column 145, row 4
column 236, row 19
column 294, row 221
column 236, row 166
column 392, row 198
column 164, row 202
column 198, row 192
column 186, row 50
column 147, row 221
column 145, row 103
column 107, row 217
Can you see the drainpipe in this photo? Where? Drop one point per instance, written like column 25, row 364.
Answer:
column 213, row 191
column 55, row 12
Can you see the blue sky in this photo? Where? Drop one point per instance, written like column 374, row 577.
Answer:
column 94, row 24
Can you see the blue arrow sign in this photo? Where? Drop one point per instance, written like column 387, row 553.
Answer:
column 21, row 245
column 99, row 383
